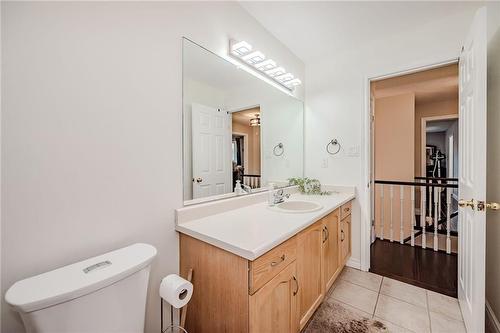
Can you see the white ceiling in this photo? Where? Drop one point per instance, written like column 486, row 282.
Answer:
column 314, row 30
column 439, row 125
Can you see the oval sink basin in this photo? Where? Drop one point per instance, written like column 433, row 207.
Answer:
column 298, row 206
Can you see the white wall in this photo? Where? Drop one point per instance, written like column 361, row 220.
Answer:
column 336, row 97
column 91, row 128
column 452, row 131
column 493, row 163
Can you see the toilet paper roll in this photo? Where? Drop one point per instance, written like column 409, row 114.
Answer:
column 176, row 290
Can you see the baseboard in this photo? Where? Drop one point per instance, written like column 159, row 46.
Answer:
column 492, row 318
column 354, row 263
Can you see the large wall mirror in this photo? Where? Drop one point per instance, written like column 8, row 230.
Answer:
column 236, row 128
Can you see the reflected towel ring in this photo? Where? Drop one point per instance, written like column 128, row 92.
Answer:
column 280, row 149
column 334, row 142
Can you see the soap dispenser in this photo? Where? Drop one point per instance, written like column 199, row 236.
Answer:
column 237, row 189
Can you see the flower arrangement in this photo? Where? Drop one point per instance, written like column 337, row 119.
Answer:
column 308, row 186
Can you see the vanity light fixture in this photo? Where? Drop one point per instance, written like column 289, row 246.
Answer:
column 254, row 57
column 276, row 71
column 240, row 48
column 266, row 65
column 256, row 60
column 293, row 83
column 283, row 78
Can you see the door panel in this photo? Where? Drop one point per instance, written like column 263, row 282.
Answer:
column 309, row 246
column 331, row 254
column 211, row 160
column 274, row 307
column 472, row 174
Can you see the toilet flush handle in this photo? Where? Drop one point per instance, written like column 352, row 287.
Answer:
column 93, row 267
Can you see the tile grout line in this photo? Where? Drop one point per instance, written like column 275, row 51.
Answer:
column 405, row 301
column 378, row 295
column 428, row 310
column 359, row 285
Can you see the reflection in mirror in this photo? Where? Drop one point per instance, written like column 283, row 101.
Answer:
column 238, row 129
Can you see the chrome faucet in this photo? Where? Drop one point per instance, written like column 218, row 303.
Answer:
column 279, row 196
column 246, row 188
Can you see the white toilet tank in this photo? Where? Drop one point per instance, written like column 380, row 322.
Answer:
column 103, row 294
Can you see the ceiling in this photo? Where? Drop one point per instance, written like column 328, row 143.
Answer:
column 314, row 30
column 439, row 125
column 433, row 85
column 243, row 117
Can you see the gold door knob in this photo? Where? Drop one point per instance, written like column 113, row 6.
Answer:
column 481, row 205
column 493, row 205
column 467, row 203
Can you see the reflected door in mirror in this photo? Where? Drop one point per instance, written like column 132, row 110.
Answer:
column 211, row 156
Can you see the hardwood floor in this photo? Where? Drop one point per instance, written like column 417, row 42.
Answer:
column 426, row 268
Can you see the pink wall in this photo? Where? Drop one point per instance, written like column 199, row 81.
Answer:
column 394, row 158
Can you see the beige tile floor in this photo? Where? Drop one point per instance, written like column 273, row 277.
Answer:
column 402, row 307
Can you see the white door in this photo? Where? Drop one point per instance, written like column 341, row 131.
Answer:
column 472, row 175
column 211, row 160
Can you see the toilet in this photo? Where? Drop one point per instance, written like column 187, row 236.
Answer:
column 103, row 294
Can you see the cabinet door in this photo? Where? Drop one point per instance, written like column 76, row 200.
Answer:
column 331, row 254
column 309, row 273
column 274, row 307
column 345, row 239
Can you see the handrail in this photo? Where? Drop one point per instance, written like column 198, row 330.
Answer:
column 397, row 182
column 438, row 178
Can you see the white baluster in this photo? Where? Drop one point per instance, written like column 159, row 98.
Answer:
column 448, row 220
column 423, row 216
column 382, row 211
column 401, row 198
column 391, row 231
column 439, row 202
column 429, row 209
column 412, row 216
column 436, row 218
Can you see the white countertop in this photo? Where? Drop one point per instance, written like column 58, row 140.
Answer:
column 252, row 230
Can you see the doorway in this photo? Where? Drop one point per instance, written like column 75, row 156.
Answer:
column 245, row 147
column 414, row 234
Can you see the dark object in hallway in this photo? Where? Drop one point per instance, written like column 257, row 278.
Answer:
column 426, row 268
column 332, row 317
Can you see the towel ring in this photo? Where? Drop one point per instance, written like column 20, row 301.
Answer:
column 334, row 142
column 278, row 150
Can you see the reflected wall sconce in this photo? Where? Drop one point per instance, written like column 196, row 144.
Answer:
column 244, row 52
column 255, row 121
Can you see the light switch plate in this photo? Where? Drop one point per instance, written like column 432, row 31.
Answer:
column 353, row 151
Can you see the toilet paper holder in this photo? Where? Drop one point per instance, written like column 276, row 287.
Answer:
column 171, row 327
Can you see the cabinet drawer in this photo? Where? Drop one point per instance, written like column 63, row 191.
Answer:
column 265, row 267
column 345, row 210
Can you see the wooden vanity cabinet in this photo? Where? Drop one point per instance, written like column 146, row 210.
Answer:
column 345, row 238
column 277, row 292
column 309, row 258
column 331, row 254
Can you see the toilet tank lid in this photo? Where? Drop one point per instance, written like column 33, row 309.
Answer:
column 75, row 280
